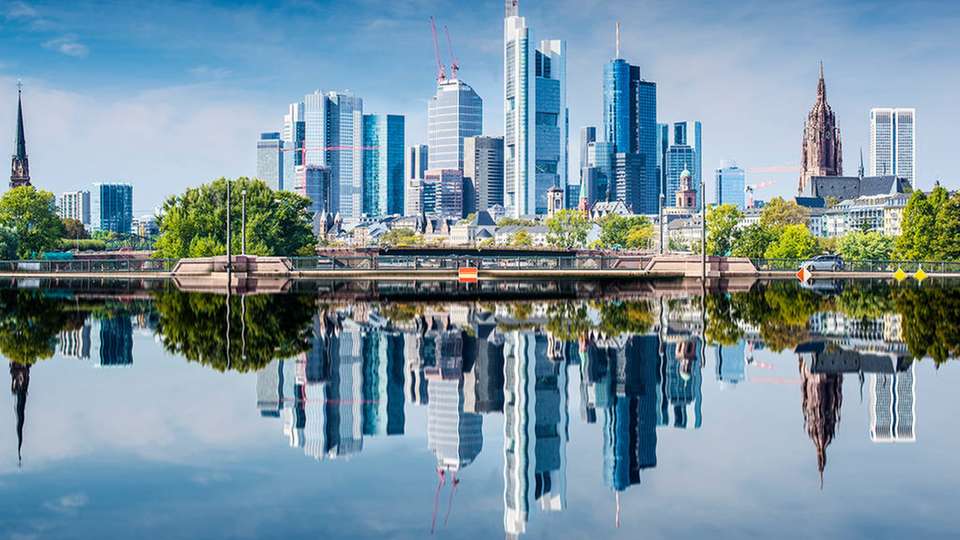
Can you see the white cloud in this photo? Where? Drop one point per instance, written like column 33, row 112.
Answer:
column 68, row 504
column 68, row 45
column 21, row 10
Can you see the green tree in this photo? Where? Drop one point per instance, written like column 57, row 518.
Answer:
column 722, row 222
column 639, row 236
column 862, row 246
column 74, row 229
column 32, row 215
column 752, row 241
column 918, row 230
column 29, row 324
column 8, row 244
column 521, row 239
column 401, row 237
column 279, row 223
column 614, row 230
column 779, row 213
column 947, row 240
column 796, row 242
column 567, row 229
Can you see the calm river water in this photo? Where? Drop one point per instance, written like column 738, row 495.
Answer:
column 781, row 411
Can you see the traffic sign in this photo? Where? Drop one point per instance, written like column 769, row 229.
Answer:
column 804, row 275
column 899, row 275
column 920, row 275
column 467, row 275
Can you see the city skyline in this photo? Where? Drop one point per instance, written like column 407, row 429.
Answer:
column 70, row 98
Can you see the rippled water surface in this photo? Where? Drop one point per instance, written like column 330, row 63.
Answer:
column 779, row 411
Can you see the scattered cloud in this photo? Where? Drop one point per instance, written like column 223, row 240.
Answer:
column 68, row 45
column 68, row 503
column 20, row 10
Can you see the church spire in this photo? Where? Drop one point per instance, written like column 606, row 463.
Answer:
column 20, row 166
column 19, row 384
column 821, row 86
column 860, row 171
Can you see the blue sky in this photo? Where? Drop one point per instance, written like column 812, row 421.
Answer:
column 171, row 94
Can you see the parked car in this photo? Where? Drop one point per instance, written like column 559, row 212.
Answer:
column 824, row 263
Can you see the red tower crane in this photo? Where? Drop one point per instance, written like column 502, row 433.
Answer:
column 441, row 72
column 454, row 64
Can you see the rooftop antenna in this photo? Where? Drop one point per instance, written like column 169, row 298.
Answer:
column 618, row 39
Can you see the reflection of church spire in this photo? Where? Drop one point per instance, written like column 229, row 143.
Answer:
column 19, row 383
column 822, row 397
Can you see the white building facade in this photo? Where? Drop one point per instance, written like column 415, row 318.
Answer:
column 893, row 150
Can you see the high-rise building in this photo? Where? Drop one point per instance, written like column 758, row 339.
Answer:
column 729, row 185
column 629, row 174
column 75, row 205
column 588, row 135
column 332, row 126
column 630, row 124
column 822, row 152
column 454, row 112
column 483, row 168
column 20, row 165
column 294, row 131
column 315, row 183
column 536, row 119
column 893, row 139
column 448, row 190
column 414, row 166
column 270, row 159
column 684, row 154
column 383, row 159
column 600, row 156
column 663, row 144
column 111, row 207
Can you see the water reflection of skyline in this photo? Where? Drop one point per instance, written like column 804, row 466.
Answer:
column 640, row 366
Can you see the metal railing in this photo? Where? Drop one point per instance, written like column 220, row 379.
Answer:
column 78, row 266
column 529, row 261
column 877, row 266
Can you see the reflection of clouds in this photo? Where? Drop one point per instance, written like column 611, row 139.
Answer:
column 211, row 477
column 67, row 504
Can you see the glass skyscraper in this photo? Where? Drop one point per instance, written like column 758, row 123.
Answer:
column 383, row 159
column 630, row 124
column 270, row 159
column 292, row 136
column 454, row 112
column 483, row 166
column 111, row 207
column 730, row 184
column 893, row 143
column 684, row 153
column 536, row 119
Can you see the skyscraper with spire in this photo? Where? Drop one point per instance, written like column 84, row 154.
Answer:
column 822, row 154
column 20, row 167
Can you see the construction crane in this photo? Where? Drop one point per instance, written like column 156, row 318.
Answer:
column 750, row 188
column 454, row 64
column 441, row 72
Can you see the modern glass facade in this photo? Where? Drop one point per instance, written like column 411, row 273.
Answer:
column 270, row 159
column 536, row 119
column 600, row 157
column 75, row 205
column 383, row 159
column 630, row 123
column 454, row 112
column 448, row 190
column 314, row 183
column 483, row 165
column 893, row 143
column 111, row 208
column 730, row 183
column 684, row 153
column 293, row 134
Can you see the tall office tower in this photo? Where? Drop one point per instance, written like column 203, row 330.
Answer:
column 630, row 123
column 588, row 135
column 893, row 139
column 111, row 207
column 729, row 185
column 454, row 112
column 315, row 183
column 535, row 429
column 483, row 168
column 270, row 159
column 663, row 143
column 536, row 119
column 448, row 190
column 20, row 165
column 600, row 156
column 822, row 151
column 415, row 164
column 333, row 138
column 454, row 436
column 684, row 153
column 75, row 205
column 893, row 406
column 294, row 131
column 629, row 169
column 383, row 159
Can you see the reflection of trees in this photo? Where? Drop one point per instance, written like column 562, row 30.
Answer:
column 568, row 321
column 625, row 317
column 29, row 324
column 779, row 310
column 865, row 300
column 722, row 327
column 930, row 322
column 261, row 328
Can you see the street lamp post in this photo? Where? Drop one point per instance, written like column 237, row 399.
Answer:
column 663, row 198
column 243, row 225
column 229, row 259
column 703, row 230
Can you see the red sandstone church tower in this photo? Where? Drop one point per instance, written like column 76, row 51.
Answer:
column 822, row 153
